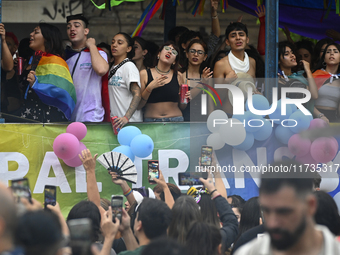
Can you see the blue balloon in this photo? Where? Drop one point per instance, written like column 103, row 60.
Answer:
column 253, row 122
column 259, row 102
column 264, row 132
column 302, row 121
column 247, row 143
column 126, row 134
column 142, row 146
column 293, row 107
column 126, row 150
column 277, row 113
column 283, row 134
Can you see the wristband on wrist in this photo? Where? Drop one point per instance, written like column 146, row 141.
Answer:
column 127, row 192
column 214, row 17
column 321, row 115
column 212, row 192
column 126, row 118
column 148, row 90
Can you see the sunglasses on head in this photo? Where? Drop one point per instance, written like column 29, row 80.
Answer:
column 173, row 51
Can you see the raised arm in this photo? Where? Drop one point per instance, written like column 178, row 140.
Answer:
column 89, row 164
column 169, row 200
column 99, row 64
column 124, row 186
column 218, row 178
column 215, row 23
column 109, row 230
column 311, row 82
column 261, row 43
column 7, row 59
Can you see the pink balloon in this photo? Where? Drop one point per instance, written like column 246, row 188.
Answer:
column 324, row 149
column 78, row 129
column 298, row 146
column 74, row 162
column 318, row 123
column 307, row 159
column 66, row 146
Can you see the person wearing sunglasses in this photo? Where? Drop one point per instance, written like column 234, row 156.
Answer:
column 160, row 87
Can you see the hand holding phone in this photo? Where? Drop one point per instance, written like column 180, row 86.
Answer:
column 153, row 171
column 191, row 178
column 20, row 188
column 50, row 195
column 206, row 155
column 116, row 205
column 81, row 236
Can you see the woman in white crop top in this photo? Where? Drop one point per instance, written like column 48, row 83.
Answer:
column 327, row 104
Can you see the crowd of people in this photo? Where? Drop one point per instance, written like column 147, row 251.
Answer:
column 290, row 216
column 136, row 80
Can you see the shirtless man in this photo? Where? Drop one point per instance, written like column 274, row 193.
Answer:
column 237, row 61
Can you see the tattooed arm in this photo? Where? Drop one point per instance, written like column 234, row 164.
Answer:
column 136, row 92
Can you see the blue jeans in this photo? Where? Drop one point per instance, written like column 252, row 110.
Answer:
column 172, row 119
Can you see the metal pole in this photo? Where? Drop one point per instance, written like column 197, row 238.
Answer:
column 272, row 39
column 170, row 18
column 1, row 119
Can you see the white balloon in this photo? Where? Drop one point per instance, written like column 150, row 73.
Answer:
column 329, row 181
column 337, row 200
column 215, row 141
column 233, row 133
column 215, row 120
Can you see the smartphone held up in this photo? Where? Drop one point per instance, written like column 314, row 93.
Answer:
column 153, row 171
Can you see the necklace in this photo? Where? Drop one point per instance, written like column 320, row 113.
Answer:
column 162, row 72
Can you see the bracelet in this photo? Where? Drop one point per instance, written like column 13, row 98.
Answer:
column 126, row 118
column 321, row 115
column 214, row 17
column 127, row 192
column 212, row 192
column 148, row 90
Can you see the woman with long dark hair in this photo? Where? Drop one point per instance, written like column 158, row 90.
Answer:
column 326, row 77
column 50, row 94
column 161, row 87
column 124, row 82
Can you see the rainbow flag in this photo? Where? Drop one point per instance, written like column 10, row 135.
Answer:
column 54, row 84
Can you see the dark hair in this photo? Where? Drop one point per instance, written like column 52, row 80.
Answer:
column 317, row 180
column 215, row 57
column 174, row 190
column 24, row 49
column 164, row 246
column 301, row 182
column 130, row 43
column 282, row 48
column 176, row 31
column 305, row 44
column 327, row 212
column 175, row 66
column 184, row 38
column 39, row 233
column 260, row 66
column 78, row 16
column 205, row 47
column 106, row 46
column 155, row 216
column 250, row 215
column 318, row 46
column 53, row 39
column 87, row 209
column 236, row 26
column 184, row 212
column 203, row 239
column 13, row 36
column 147, row 61
column 320, row 64
column 237, row 202
column 208, row 210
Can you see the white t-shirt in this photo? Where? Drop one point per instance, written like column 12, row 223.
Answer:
column 119, row 91
column 88, row 86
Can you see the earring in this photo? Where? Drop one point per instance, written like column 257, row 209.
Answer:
column 157, row 57
column 323, row 63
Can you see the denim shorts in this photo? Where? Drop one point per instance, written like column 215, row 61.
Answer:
column 172, row 119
